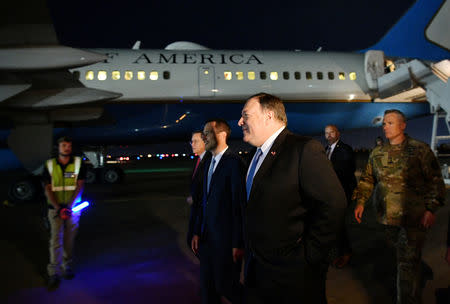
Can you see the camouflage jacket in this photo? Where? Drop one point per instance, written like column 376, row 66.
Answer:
column 407, row 179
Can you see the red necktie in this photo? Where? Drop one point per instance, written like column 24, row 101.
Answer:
column 196, row 166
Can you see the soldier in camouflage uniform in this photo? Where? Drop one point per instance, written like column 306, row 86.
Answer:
column 409, row 190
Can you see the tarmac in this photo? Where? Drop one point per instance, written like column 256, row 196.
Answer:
column 131, row 248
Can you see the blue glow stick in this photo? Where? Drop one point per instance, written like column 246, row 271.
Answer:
column 80, row 206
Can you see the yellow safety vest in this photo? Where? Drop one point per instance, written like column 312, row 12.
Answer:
column 64, row 183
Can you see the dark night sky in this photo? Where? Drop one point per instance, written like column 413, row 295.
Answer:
column 281, row 25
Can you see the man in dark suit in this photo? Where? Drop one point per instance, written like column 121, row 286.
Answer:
column 196, row 189
column 218, row 237
column 295, row 203
column 343, row 160
column 341, row 156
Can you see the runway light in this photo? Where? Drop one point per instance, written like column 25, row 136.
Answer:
column 192, row 157
column 184, row 155
column 157, row 155
column 80, row 206
column 121, row 158
column 138, row 158
column 136, row 130
column 149, row 155
column 176, row 155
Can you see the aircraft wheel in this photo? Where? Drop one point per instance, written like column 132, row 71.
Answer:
column 23, row 190
column 112, row 175
column 91, row 176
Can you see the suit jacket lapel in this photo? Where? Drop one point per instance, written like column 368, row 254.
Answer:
column 335, row 151
column 273, row 153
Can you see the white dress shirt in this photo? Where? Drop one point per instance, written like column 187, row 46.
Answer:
column 265, row 148
column 217, row 159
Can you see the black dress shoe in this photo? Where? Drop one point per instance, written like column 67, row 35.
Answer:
column 53, row 282
column 69, row 274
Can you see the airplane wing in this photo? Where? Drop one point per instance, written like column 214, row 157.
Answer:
column 34, row 68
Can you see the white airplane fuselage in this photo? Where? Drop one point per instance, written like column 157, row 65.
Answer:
column 228, row 76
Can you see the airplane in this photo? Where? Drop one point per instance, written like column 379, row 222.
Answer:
column 155, row 95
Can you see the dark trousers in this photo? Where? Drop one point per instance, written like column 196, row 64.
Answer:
column 408, row 244
column 219, row 276
column 299, row 283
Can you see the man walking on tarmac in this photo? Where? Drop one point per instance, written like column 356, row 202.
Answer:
column 64, row 182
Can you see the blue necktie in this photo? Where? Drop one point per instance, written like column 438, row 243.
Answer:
column 251, row 173
column 210, row 173
column 205, row 199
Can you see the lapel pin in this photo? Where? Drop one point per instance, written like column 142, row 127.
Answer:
column 273, row 153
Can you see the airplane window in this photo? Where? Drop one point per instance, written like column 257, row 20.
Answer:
column 308, row 75
column 274, row 75
column 251, row 75
column 352, row 76
column 319, row 75
column 115, row 75
column 128, row 75
column 286, row 75
column 166, row 75
column 227, row 75
column 330, row 75
column 240, row 75
column 153, row 75
column 101, row 75
column 297, row 75
column 262, row 75
column 341, row 76
column 90, row 75
column 141, row 75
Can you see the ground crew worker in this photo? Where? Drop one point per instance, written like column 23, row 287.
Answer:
column 410, row 189
column 64, row 182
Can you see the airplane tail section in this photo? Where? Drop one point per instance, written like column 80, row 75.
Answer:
column 25, row 22
column 409, row 36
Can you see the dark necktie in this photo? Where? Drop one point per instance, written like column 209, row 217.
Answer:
column 196, row 166
column 251, row 173
column 210, row 173
column 328, row 151
column 205, row 199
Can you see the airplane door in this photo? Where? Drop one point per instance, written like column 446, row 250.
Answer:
column 206, row 82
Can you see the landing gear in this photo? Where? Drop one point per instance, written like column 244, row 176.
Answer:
column 91, row 176
column 111, row 175
column 25, row 190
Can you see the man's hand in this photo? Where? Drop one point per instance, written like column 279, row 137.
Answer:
column 428, row 219
column 189, row 200
column 238, row 254
column 447, row 256
column 194, row 243
column 65, row 213
column 359, row 210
